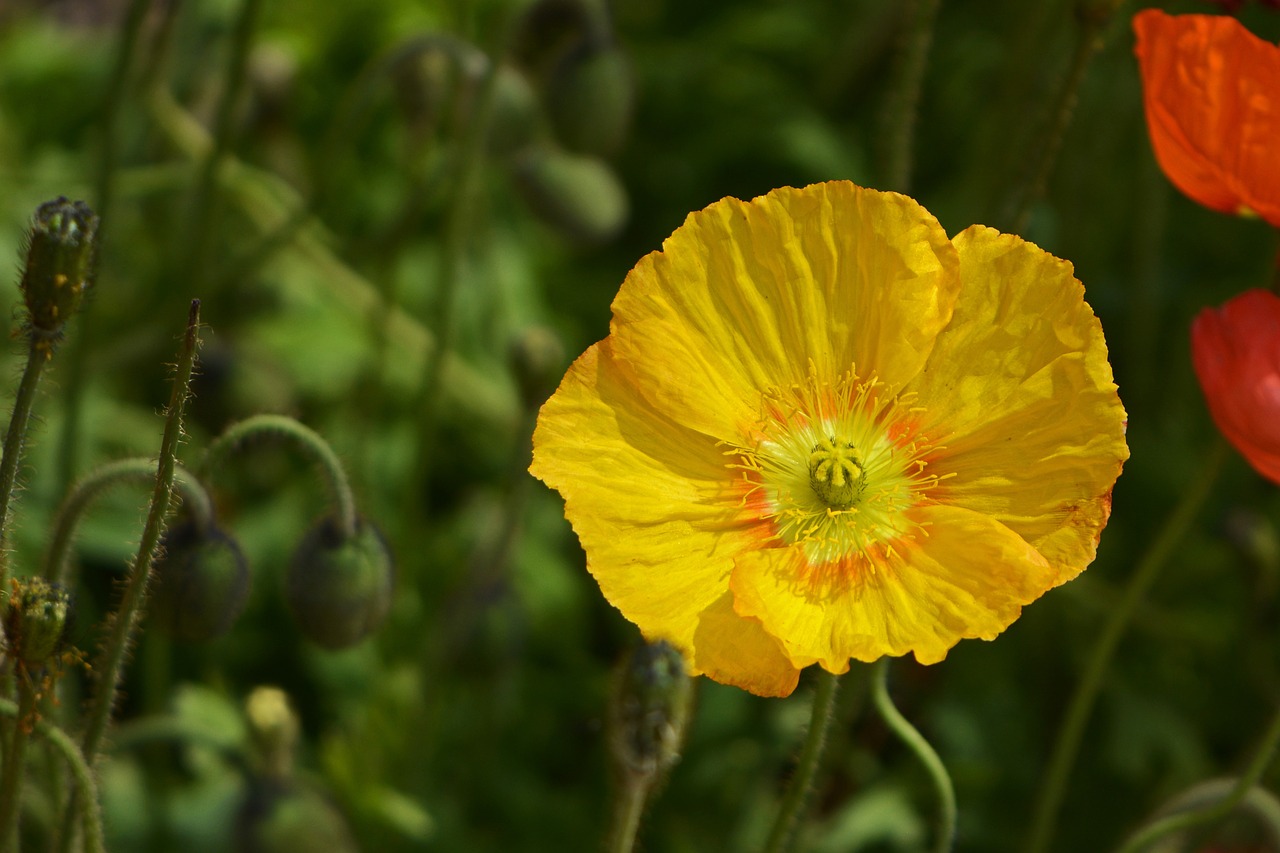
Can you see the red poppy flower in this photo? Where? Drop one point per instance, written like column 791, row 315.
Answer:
column 1236, row 351
column 1212, row 96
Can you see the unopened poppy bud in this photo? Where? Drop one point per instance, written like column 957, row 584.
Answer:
column 339, row 587
column 589, row 99
column 290, row 817
column 580, row 196
column 201, row 583
column 60, row 259
column 650, row 709
column 515, row 115
column 537, row 361
column 35, row 621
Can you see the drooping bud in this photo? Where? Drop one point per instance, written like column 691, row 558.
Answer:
column 59, row 265
column 537, row 361
column 650, row 709
column 35, row 621
column 580, row 196
column 201, row 583
column 339, row 587
column 590, row 97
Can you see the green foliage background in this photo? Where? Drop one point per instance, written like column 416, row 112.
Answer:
column 474, row 720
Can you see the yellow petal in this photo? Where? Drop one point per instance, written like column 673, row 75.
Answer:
column 734, row 650
column 744, row 296
column 1019, row 393
column 651, row 501
column 964, row 576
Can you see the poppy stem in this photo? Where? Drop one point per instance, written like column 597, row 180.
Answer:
column 633, row 794
column 904, row 101
column 1217, row 810
column 1067, row 746
column 911, row 736
column 793, row 802
column 1093, row 18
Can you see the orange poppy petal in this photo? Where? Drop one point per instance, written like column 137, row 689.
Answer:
column 1236, row 352
column 1211, row 90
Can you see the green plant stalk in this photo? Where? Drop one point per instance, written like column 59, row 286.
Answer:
column 905, row 98
column 137, row 469
column 86, row 788
column 632, row 795
column 1094, row 18
column 125, row 619
column 37, row 356
column 205, row 201
column 1216, row 811
column 15, row 761
column 266, row 201
column 793, row 801
column 308, row 440
column 104, row 191
column 911, row 736
column 1067, row 746
column 457, row 231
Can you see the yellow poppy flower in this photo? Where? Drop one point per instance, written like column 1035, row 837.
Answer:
column 819, row 431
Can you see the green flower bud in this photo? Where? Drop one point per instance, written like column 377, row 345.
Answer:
column 590, row 97
column 201, row 583
column 60, row 259
column 537, row 360
column 339, row 588
column 580, row 196
column 515, row 117
column 650, row 709
column 290, row 817
column 35, row 621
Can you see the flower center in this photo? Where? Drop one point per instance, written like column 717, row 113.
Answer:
column 835, row 473
column 834, row 467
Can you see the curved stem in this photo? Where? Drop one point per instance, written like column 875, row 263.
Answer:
column 136, row 469
column 911, row 736
column 306, row 439
column 824, row 700
column 1216, row 811
column 1045, row 816
column 125, row 619
column 37, row 356
column 86, row 788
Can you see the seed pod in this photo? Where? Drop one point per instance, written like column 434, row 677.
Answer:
column 650, row 709
column 35, row 621
column 580, row 196
column 339, row 588
column 201, row 583
column 60, row 260
column 590, row 97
